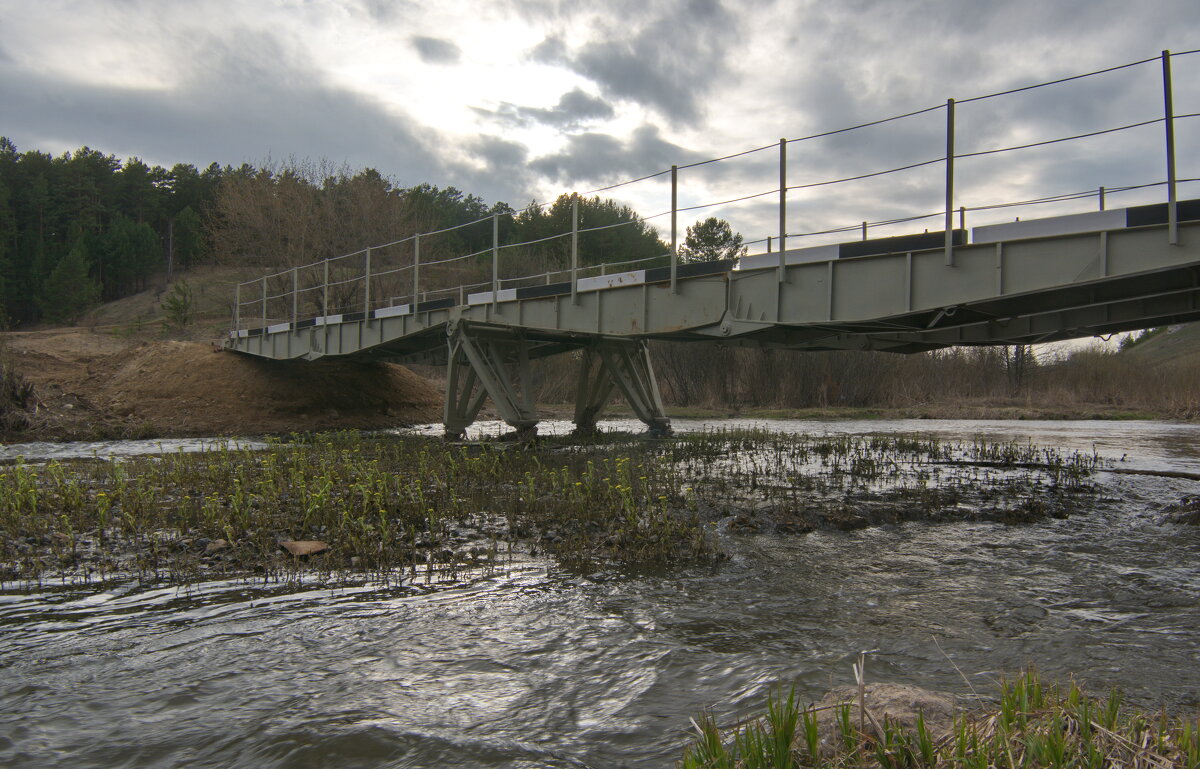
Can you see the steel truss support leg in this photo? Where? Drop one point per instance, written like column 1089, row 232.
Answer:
column 623, row 365
column 499, row 365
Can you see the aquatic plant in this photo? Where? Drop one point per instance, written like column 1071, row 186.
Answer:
column 1032, row 724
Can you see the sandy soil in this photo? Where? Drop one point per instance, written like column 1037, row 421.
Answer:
column 91, row 384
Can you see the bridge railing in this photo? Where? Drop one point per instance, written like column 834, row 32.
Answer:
column 408, row 273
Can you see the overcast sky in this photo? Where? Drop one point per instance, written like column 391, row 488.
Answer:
column 522, row 99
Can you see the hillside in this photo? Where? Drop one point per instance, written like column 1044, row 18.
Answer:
column 123, row 373
column 1174, row 344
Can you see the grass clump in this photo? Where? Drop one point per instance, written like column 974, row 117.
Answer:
column 1033, row 724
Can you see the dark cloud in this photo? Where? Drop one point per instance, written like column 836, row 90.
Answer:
column 552, row 50
column 665, row 56
column 435, row 50
column 574, row 109
column 601, row 158
column 247, row 98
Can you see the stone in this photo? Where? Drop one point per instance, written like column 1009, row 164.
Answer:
column 217, row 546
column 304, row 546
column 899, row 703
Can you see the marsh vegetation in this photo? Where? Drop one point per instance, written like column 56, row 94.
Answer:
column 388, row 506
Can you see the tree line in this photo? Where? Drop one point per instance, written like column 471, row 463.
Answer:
column 84, row 227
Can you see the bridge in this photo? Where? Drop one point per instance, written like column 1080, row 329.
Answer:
column 1027, row 281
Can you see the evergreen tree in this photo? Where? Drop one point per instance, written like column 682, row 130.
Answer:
column 187, row 235
column 711, row 240
column 69, row 291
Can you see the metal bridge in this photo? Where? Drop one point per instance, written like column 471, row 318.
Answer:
column 1022, row 282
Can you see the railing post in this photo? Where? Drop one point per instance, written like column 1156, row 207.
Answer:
column 769, row 243
column 416, row 271
column 864, row 230
column 1169, row 115
column 674, row 227
column 496, row 260
column 782, row 209
column 295, row 294
column 264, row 302
column 962, row 218
column 950, row 182
column 325, row 294
column 574, row 248
column 237, row 308
column 367, row 287
column 1101, row 198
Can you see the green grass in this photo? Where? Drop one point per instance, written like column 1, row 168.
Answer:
column 1033, row 724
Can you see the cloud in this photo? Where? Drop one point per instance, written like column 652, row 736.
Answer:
column 247, row 97
column 666, row 56
column 574, row 109
column 601, row 158
column 435, row 50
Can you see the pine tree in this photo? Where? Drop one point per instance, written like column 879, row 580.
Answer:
column 69, row 291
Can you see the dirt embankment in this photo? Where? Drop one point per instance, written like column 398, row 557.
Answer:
column 93, row 385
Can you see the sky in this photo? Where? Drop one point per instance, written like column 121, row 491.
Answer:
column 521, row 100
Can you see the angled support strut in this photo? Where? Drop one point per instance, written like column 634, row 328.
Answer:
column 497, row 363
column 623, row 365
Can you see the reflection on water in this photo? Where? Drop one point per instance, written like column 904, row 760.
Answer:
column 530, row 667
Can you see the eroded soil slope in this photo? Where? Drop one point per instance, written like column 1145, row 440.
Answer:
column 91, row 385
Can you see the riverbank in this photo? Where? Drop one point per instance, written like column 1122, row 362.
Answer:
column 90, row 385
column 103, row 383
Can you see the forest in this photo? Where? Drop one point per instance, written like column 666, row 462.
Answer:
column 84, row 227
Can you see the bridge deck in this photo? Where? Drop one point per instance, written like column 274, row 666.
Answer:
column 1033, row 281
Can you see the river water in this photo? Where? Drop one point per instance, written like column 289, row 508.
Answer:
column 530, row 667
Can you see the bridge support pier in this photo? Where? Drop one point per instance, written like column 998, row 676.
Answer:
column 623, row 365
column 499, row 364
column 489, row 362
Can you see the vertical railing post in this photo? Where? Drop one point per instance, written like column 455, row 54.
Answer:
column 264, row 303
column 574, row 248
column 962, row 219
column 782, row 209
column 325, row 294
column 864, row 230
column 237, row 309
column 295, row 294
column 416, row 271
column 1101, row 193
column 769, row 237
column 674, row 228
column 367, row 286
column 1169, row 120
column 496, row 259
column 950, row 182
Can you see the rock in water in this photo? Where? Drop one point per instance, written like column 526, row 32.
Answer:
column 899, row 703
column 304, row 546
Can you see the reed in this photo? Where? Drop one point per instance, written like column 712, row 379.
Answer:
column 1032, row 724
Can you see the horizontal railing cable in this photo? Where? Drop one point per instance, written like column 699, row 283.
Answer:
column 1060, row 139
column 1059, row 80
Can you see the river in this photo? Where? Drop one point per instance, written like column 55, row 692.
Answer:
column 531, row 667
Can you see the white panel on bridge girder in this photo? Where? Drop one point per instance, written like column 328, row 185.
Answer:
column 791, row 256
column 1096, row 221
column 391, row 312
column 631, row 278
column 485, row 297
